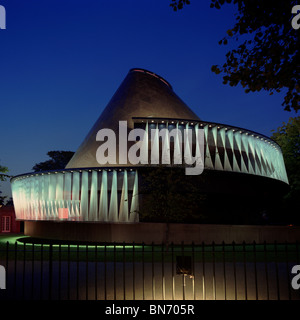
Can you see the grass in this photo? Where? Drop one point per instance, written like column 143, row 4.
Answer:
column 20, row 247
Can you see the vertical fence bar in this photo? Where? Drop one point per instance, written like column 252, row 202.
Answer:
column 245, row 270
column 276, row 266
column 255, row 271
column 143, row 268
column 193, row 270
column 68, row 280
column 183, row 275
column 287, row 270
column 203, row 273
column 214, row 272
column 133, row 271
column 77, row 273
column 23, row 275
column 96, row 272
column 105, row 274
column 50, row 270
column 153, row 277
column 59, row 272
column 234, row 270
column 124, row 272
column 173, row 279
column 87, row 272
column 15, row 274
column 32, row 270
column 266, row 269
column 6, row 262
column 224, row 270
column 42, row 272
column 115, row 265
column 162, row 272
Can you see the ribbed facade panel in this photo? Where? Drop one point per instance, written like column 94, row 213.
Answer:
column 111, row 195
column 83, row 195
column 225, row 148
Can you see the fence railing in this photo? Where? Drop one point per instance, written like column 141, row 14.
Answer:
column 232, row 271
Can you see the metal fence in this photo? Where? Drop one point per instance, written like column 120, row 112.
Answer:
column 48, row 271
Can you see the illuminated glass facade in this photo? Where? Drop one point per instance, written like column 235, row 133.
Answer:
column 88, row 192
column 78, row 195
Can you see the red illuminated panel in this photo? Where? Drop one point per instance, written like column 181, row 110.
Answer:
column 63, row 213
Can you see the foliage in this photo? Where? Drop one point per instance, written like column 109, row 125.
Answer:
column 268, row 57
column 59, row 160
column 2, row 200
column 168, row 195
column 177, row 5
column 3, row 176
column 288, row 137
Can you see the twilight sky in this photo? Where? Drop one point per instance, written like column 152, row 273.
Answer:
column 62, row 60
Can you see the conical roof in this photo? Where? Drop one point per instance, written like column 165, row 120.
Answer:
column 141, row 94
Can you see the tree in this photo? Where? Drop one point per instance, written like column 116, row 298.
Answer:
column 268, row 57
column 2, row 200
column 288, row 137
column 178, row 4
column 59, row 160
column 168, row 195
column 3, row 175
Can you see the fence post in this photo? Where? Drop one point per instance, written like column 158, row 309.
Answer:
column 224, row 270
column 245, row 270
column 214, row 272
column 124, row 272
column 143, row 270
column 193, row 270
column 96, row 272
column 183, row 275
column 234, row 270
column 115, row 285
column 266, row 269
column 59, row 271
column 276, row 266
column 42, row 271
column 173, row 279
column 153, row 277
column 162, row 272
column 32, row 271
column 68, row 262
column 77, row 272
column 24, row 261
column 6, row 266
column 203, row 273
column 87, row 272
column 50, row 270
column 133, row 270
column 287, row 269
column 105, row 274
column 15, row 275
column 255, row 271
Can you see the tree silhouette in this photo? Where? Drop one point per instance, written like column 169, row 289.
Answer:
column 288, row 137
column 59, row 161
column 268, row 57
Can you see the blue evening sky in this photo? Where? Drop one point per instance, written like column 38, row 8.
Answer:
column 62, row 60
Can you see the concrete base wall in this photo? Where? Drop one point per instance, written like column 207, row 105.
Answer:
column 160, row 232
